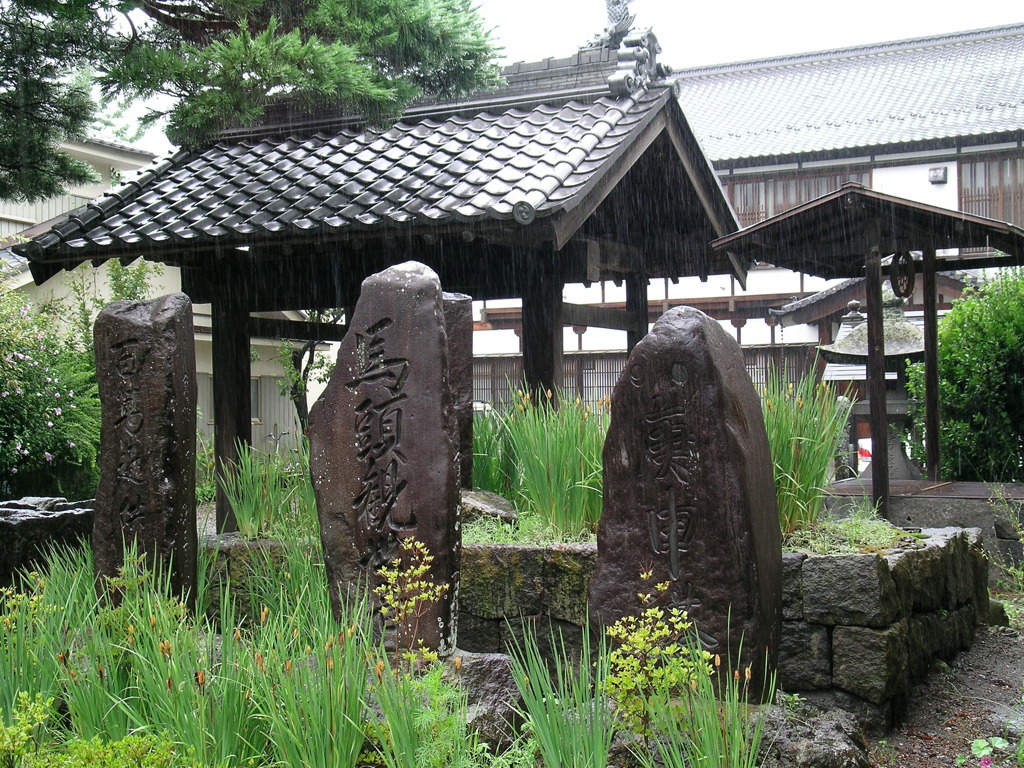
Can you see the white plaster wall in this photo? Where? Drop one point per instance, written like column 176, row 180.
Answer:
column 911, row 182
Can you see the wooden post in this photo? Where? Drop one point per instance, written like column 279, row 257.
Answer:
column 542, row 324
column 232, row 401
column 931, row 368
column 876, row 376
column 636, row 307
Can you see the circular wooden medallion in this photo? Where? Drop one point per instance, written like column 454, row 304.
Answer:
column 902, row 274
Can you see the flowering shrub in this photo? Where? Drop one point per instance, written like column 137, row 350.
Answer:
column 49, row 408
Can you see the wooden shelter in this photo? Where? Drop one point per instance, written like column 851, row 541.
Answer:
column 846, row 234
column 579, row 169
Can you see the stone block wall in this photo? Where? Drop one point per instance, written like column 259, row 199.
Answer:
column 30, row 526
column 857, row 629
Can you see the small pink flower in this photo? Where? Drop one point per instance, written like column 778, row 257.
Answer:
column 70, row 444
column 49, row 423
column 57, row 411
column 985, row 762
column 14, row 470
column 4, row 394
column 48, row 456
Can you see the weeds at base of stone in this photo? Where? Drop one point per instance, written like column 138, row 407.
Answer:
column 883, row 754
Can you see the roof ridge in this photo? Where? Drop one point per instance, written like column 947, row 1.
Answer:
column 856, row 51
column 435, row 111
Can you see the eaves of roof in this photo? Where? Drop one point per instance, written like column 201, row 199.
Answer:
column 826, row 236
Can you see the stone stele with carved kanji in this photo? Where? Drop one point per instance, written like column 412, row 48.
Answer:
column 689, row 494
column 382, row 444
column 146, row 370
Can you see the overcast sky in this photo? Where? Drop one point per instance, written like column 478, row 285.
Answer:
column 699, row 32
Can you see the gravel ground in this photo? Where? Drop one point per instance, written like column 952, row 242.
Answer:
column 977, row 697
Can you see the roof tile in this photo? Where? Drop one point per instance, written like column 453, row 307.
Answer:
column 963, row 84
column 463, row 167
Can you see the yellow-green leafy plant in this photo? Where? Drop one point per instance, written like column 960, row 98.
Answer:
column 24, row 736
column 806, row 422
column 407, row 593
column 651, row 662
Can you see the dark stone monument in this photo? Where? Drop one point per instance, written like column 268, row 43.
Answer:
column 689, row 493
column 145, row 365
column 458, row 320
column 382, row 445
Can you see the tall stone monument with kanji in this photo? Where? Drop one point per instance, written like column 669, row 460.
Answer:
column 382, row 444
column 689, row 493
column 146, row 369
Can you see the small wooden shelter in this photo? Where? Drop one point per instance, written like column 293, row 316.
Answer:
column 579, row 169
column 847, row 233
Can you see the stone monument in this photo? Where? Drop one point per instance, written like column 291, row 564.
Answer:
column 382, row 444
column 458, row 320
column 145, row 366
column 689, row 493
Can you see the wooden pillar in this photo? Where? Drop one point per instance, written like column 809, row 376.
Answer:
column 636, row 308
column 876, row 377
column 232, row 401
column 542, row 324
column 931, row 368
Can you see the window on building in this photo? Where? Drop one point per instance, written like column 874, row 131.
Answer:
column 993, row 187
column 755, row 199
column 206, row 399
column 255, row 409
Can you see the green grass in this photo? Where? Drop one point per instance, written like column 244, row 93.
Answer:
column 862, row 532
column 271, row 493
column 569, row 717
column 546, row 459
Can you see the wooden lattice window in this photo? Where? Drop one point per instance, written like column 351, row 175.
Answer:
column 756, row 199
column 993, row 187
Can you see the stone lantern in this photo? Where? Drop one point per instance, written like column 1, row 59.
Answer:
column 904, row 342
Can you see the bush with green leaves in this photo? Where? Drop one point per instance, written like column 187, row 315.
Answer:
column 651, row 661
column 49, row 408
column 981, row 383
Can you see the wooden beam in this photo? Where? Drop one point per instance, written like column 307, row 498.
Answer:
column 595, row 316
column 636, row 308
column 876, row 373
column 931, row 368
column 232, row 402
column 273, row 328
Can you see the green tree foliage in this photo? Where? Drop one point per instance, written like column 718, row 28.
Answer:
column 41, row 42
column 222, row 63
column 981, row 383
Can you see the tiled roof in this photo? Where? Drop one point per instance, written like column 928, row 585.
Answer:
column 965, row 84
column 534, row 159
